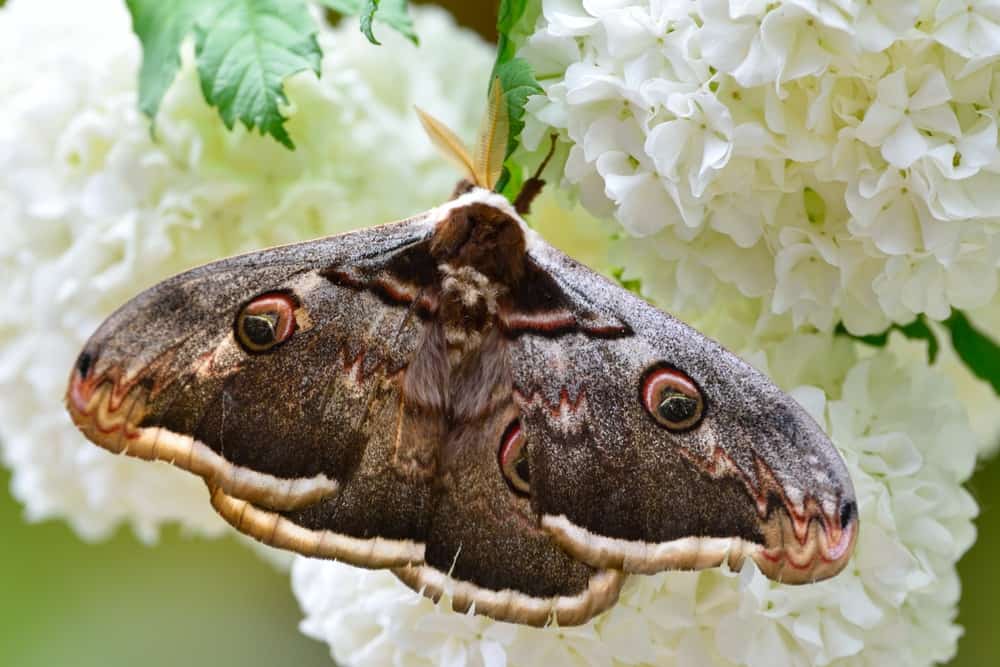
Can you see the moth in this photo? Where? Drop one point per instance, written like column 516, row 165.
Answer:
column 451, row 397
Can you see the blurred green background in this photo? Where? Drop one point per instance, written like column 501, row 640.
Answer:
column 980, row 647
column 215, row 602
column 120, row 603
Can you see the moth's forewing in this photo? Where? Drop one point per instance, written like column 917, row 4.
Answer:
column 301, row 428
column 754, row 477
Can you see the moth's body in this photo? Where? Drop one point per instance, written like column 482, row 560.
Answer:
column 449, row 395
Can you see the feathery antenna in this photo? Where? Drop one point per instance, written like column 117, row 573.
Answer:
column 448, row 143
column 491, row 148
column 482, row 169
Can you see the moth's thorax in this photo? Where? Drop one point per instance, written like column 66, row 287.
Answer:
column 483, row 237
column 480, row 251
column 467, row 306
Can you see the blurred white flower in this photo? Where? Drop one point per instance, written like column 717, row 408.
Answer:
column 709, row 118
column 976, row 396
column 92, row 210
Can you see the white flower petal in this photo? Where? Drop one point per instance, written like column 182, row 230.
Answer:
column 904, row 146
column 969, row 28
column 879, row 24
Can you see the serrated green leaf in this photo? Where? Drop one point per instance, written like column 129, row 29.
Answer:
column 518, row 84
column 367, row 16
column 514, row 21
column 245, row 50
column 396, row 15
column 978, row 351
column 510, row 181
column 393, row 13
column 815, row 206
column 161, row 26
column 915, row 330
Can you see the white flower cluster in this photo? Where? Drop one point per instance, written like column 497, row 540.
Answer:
column 92, row 210
column 838, row 158
column 894, row 604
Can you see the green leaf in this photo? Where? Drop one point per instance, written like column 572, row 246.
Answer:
column 815, row 206
column 367, row 16
column 509, row 184
column 396, row 15
column 514, row 23
column 977, row 350
column 875, row 340
column 245, row 50
column 161, row 26
column 632, row 285
column 915, row 330
column 518, row 83
column 918, row 330
column 509, row 14
column 393, row 13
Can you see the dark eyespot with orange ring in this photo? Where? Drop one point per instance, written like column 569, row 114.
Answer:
column 672, row 398
column 266, row 322
column 513, row 459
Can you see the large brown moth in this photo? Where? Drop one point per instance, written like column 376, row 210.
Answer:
column 451, row 397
